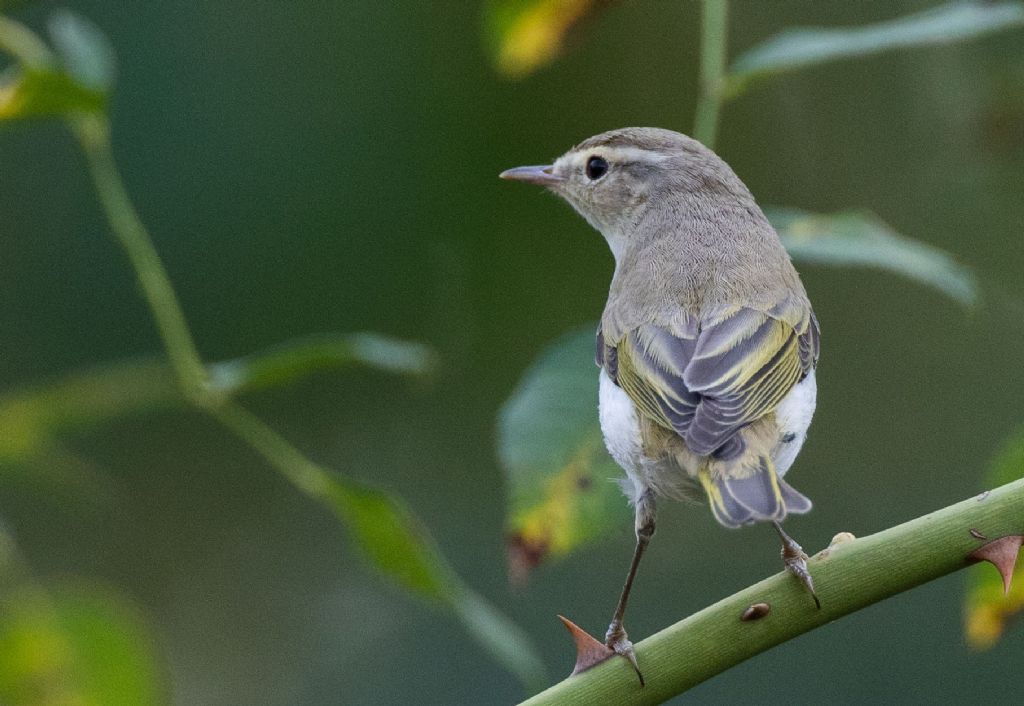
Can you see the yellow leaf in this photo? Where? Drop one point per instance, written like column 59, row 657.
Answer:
column 531, row 34
column 562, row 493
column 987, row 611
column 552, row 525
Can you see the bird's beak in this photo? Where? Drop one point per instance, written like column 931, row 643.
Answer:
column 543, row 175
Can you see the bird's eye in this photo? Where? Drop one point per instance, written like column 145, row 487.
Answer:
column 596, row 168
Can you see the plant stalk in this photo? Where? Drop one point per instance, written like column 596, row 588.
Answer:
column 849, row 576
column 713, row 41
column 93, row 133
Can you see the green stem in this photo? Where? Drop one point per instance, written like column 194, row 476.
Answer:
column 305, row 475
column 713, row 38
column 93, row 133
column 848, row 576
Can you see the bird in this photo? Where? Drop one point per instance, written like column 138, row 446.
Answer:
column 707, row 345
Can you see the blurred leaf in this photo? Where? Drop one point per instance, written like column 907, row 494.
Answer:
column 285, row 362
column 390, row 537
column 75, row 646
column 31, row 419
column 987, row 612
column 799, row 48
column 861, row 239
column 38, row 86
column 45, row 94
column 526, row 35
column 550, row 445
column 84, row 49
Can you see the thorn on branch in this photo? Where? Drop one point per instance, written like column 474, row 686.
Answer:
column 589, row 650
column 1002, row 554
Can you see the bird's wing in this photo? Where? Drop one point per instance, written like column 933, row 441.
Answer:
column 706, row 381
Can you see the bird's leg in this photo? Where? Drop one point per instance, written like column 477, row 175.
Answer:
column 616, row 637
column 795, row 559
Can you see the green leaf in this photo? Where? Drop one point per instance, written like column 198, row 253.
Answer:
column 39, row 86
column 46, row 94
column 560, row 478
column 390, row 537
column 287, row 361
column 86, row 52
column 796, row 49
column 526, row 35
column 75, row 645
column 987, row 611
column 861, row 239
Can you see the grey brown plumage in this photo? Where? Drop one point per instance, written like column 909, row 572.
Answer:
column 707, row 326
column 707, row 344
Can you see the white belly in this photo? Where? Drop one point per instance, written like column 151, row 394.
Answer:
column 793, row 416
column 621, row 429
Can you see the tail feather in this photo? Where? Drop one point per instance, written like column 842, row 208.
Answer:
column 796, row 502
column 759, row 497
column 725, row 509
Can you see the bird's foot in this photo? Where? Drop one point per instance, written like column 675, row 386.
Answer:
column 617, row 640
column 795, row 559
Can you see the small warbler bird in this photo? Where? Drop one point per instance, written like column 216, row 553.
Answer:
column 707, row 345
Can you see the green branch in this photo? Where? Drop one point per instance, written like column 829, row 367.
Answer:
column 713, row 39
column 849, row 576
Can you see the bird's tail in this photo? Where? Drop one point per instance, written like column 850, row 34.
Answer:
column 759, row 497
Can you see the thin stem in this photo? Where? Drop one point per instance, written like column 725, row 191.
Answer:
column 274, row 448
column 850, row 576
column 713, row 38
column 93, row 133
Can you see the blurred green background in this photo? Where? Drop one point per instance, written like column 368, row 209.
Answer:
column 311, row 166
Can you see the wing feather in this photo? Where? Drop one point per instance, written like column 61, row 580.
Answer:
column 706, row 382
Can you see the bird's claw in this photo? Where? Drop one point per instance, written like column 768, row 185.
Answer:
column 618, row 641
column 795, row 559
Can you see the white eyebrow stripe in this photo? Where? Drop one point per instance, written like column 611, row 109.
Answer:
column 631, row 154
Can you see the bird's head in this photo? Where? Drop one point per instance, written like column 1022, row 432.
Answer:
column 614, row 178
